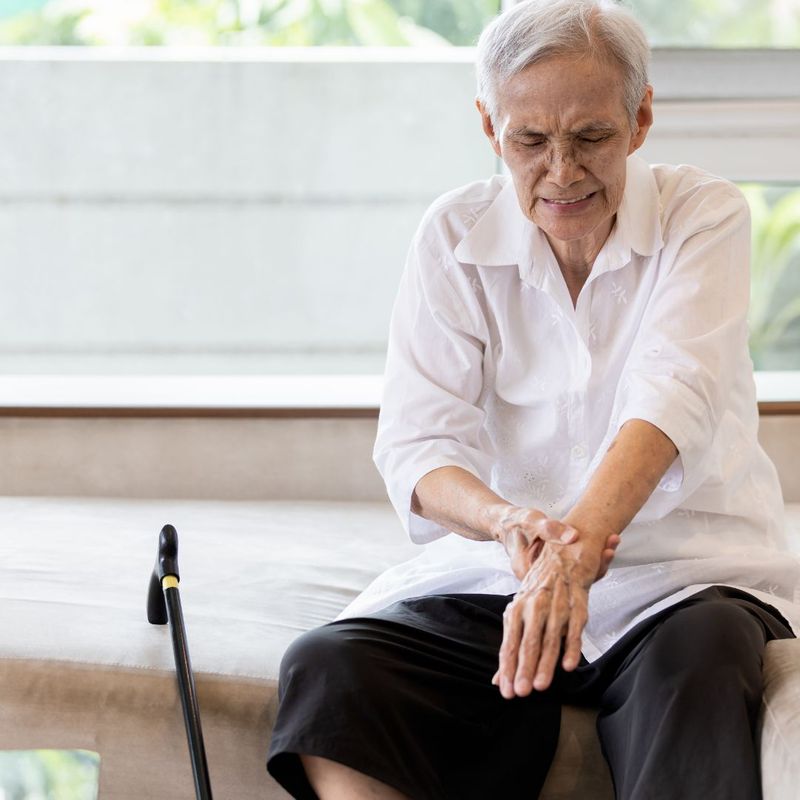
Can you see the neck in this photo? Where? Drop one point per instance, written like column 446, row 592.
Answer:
column 576, row 257
column 574, row 283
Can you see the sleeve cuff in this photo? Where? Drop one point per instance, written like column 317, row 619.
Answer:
column 682, row 416
column 405, row 479
column 672, row 480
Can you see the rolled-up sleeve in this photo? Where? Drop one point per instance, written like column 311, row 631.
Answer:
column 693, row 336
column 430, row 417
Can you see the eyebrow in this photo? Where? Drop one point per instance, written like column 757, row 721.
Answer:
column 589, row 127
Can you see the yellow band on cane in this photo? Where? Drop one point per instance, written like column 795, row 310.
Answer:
column 169, row 582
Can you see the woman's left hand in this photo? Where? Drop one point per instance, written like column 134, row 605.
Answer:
column 550, row 606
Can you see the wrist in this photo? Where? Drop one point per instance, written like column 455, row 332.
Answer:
column 589, row 530
column 496, row 517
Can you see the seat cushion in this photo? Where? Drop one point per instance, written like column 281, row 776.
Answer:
column 780, row 721
column 81, row 667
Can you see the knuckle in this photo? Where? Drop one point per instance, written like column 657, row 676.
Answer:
column 507, row 650
column 553, row 527
column 551, row 640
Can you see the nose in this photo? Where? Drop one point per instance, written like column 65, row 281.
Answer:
column 564, row 169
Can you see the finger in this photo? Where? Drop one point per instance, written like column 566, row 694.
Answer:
column 572, row 643
column 536, row 612
column 613, row 541
column 605, row 562
column 553, row 635
column 552, row 530
column 512, row 633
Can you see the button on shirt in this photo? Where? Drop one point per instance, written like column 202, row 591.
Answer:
column 492, row 369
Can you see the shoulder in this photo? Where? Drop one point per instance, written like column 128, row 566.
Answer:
column 452, row 215
column 690, row 197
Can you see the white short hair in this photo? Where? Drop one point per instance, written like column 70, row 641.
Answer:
column 534, row 30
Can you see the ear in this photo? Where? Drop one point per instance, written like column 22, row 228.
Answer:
column 488, row 128
column 644, row 120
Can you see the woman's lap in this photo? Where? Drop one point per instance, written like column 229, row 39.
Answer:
column 415, row 707
column 405, row 695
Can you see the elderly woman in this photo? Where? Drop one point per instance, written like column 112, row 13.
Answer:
column 568, row 391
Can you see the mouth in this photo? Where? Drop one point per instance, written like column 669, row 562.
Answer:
column 571, row 201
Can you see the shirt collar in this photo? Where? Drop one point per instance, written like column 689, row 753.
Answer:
column 504, row 236
column 498, row 236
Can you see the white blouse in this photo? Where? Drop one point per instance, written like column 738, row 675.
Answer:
column 490, row 368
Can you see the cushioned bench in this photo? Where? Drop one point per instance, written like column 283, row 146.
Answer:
column 81, row 667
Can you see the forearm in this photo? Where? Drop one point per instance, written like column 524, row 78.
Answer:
column 460, row 502
column 629, row 472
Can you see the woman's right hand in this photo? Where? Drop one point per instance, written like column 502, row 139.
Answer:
column 524, row 531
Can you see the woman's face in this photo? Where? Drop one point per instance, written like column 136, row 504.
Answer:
column 562, row 129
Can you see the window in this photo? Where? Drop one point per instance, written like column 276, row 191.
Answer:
column 720, row 23
column 293, row 23
column 71, row 774
column 775, row 296
column 247, row 208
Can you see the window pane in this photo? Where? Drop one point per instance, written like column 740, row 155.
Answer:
column 681, row 23
column 775, row 300
column 720, row 23
column 66, row 774
column 296, row 23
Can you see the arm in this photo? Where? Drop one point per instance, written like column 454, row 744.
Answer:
column 459, row 501
column 462, row 503
column 676, row 386
column 553, row 600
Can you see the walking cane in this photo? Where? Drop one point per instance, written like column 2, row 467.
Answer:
column 164, row 604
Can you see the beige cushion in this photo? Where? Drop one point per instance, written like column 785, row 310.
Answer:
column 780, row 721
column 579, row 769
column 81, row 667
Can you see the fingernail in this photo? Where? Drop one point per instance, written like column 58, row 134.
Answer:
column 523, row 686
column 494, row 679
column 505, row 686
column 567, row 536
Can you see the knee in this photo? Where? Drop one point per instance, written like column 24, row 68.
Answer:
column 321, row 653
column 708, row 643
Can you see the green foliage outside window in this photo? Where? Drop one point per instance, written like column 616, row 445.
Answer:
column 719, row 23
column 247, row 22
column 421, row 23
column 48, row 775
column 775, row 265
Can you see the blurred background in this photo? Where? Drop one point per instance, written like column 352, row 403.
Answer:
column 230, row 186
column 48, row 775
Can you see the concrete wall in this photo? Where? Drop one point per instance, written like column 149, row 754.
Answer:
column 238, row 210
column 250, row 211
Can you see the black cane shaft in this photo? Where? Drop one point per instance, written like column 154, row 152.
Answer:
column 188, row 693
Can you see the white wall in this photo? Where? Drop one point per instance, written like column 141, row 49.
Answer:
column 250, row 211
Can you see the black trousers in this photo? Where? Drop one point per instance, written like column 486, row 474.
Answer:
column 404, row 695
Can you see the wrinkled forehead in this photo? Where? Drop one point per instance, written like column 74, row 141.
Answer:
column 565, row 89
